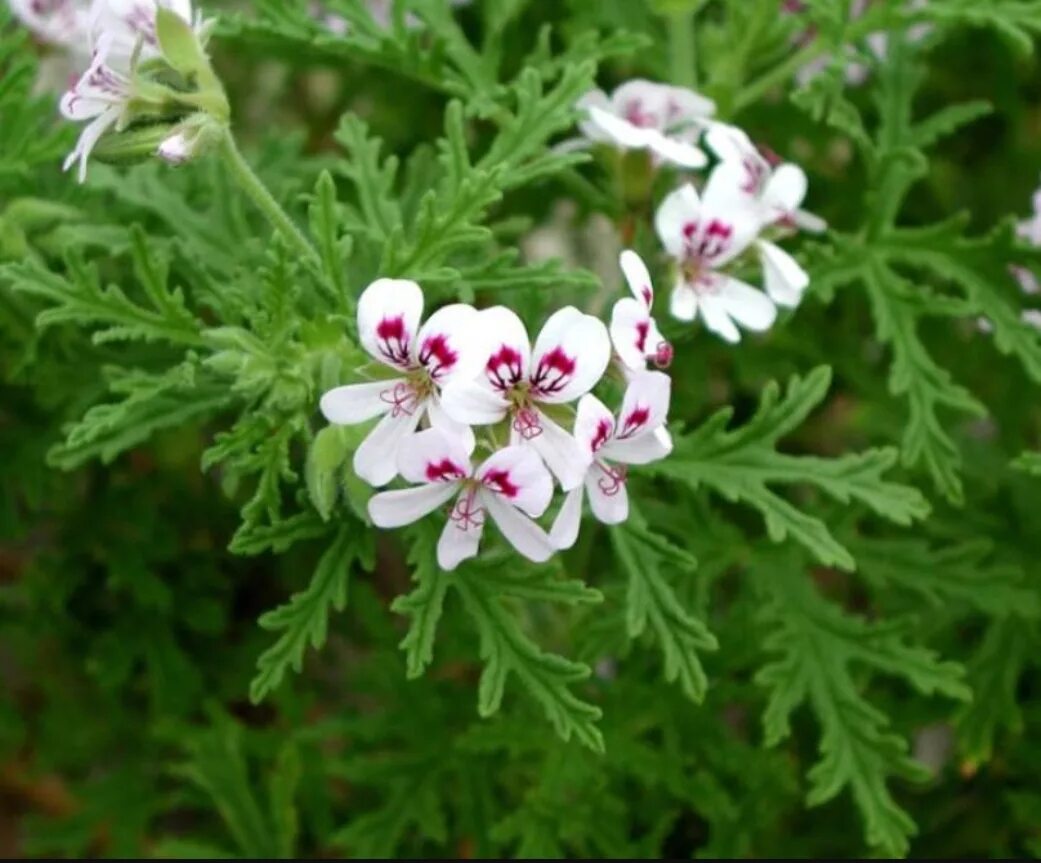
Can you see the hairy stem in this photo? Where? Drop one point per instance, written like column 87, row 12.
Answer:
column 253, row 186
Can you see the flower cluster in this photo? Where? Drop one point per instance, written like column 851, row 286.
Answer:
column 746, row 201
column 469, row 379
column 145, row 58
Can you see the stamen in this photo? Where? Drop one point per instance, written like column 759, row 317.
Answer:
column 466, row 513
column 527, row 424
column 613, row 479
column 403, row 398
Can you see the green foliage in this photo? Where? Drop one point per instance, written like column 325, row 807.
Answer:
column 168, row 482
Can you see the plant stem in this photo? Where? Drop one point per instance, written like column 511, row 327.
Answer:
column 253, row 186
column 683, row 61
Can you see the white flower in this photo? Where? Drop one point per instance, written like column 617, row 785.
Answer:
column 705, row 234
column 446, row 347
column 634, row 332
column 101, row 96
column 510, row 483
column 131, row 25
column 644, row 115
column 638, row 437
column 62, row 23
column 570, row 356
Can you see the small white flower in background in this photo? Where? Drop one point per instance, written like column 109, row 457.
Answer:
column 511, row 485
column 634, row 332
column 1028, row 230
column 704, row 234
column 570, row 356
column 101, row 96
column 644, row 115
column 380, row 10
column 61, row 23
column 447, row 347
column 637, row 437
column 131, row 25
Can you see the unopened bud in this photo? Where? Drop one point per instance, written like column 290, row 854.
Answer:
column 663, row 355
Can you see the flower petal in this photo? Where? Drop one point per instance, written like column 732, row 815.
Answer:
column 570, row 356
column 388, row 319
column 356, row 403
column 566, row 460
column 404, row 506
column 594, row 424
column 638, row 277
column 589, row 127
column 783, row 278
column 608, row 498
column 731, row 217
column 620, row 131
column 645, row 405
column 507, row 348
column 439, row 419
column 681, row 153
column 450, row 344
column 630, row 332
column 564, row 532
column 785, row 190
column 640, row 450
column 461, row 538
column 683, row 302
column 376, row 460
column 750, row 307
column 679, row 211
column 433, row 456
column 520, row 531
column 714, row 314
column 733, row 147
column 473, row 403
column 518, row 476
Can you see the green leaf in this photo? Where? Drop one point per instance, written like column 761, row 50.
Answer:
column 816, row 642
column 506, row 650
column 741, row 464
column 425, row 604
column 325, row 461
column 1029, row 462
column 304, row 619
column 646, row 557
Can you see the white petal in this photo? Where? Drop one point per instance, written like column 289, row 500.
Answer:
column 516, row 474
column 589, row 128
column 731, row 215
column 676, row 217
column 388, row 319
column 564, row 532
column 439, row 419
column 640, row 450
column 809, row 222
column 678, row 152
column 683, row 302
column 750, row 307
column 594, row 424
column 473, row 403
column 608, row 497
column 732, row 146
column 783, row 278
column 404, row 506
column 433, row 456
column 376, row 460
column 451, row 345
column 507, row 348
column 562, row 454
column 645, row 405
column 519, row 530
column 461, row 538
column 356, row 403
column 630, row 332
column 88, row 138
column 637, row 276
column 570, row 356
column 689, row 104
column 714, row 314
column 785, row 190
column 620, row 131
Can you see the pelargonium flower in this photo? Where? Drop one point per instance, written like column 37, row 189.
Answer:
column 447, row 347
column 634, row 332
column 570, row 356
column 637, row 437
column 705, row 234
column 101, row 96
column 507, row 487
column 62, row 23
column 131, row 24
column 644, row 115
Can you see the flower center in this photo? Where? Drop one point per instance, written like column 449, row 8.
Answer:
column 526, row 420
column 466, row 512
column 406, row 396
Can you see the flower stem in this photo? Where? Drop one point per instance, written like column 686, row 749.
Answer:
column 683, row 62
column 252, row 185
